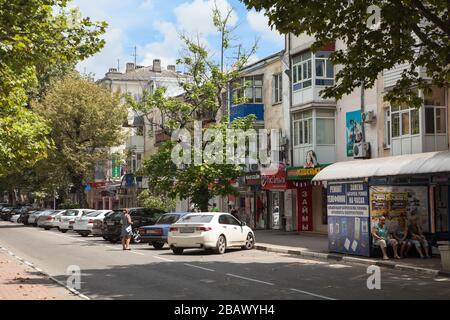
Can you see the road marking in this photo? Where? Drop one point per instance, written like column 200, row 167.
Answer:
column 165, row 259
column 191, row 265
column 139, row 253
column 249, row 279
column 313, row 294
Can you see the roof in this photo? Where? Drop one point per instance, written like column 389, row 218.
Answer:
column 422, row 163
column 143, row 74
column 262, row 62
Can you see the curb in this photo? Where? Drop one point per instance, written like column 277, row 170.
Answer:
column 349, row 259
column 40, row 271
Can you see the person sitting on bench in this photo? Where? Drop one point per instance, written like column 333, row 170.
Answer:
column 417, row 238
column 382, row 238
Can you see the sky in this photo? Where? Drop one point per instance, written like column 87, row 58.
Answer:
column 154, row 26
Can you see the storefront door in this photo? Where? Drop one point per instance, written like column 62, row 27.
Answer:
column 277, row 210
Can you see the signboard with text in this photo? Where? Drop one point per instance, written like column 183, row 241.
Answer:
column 348, row 218
column 304, row 209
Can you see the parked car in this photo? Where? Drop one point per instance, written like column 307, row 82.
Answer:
column 48, row 220
column 25, row 216
column 7, row 213
column 156, row 235
column 84, row 226
column 216, row 231
column 112, row 225
column 67, row 219
column 15, row 218
column 32, row 219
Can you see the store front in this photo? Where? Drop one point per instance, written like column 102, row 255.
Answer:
column 360, row 192
column 275, row 184
column 310, row 205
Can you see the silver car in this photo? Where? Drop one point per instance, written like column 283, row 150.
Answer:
column 48, row 219
column 89, row 223
column 66, row 220
column 32, row 219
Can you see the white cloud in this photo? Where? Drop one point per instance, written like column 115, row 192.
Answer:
column 147, row 4
column 192, row 19
column 107, row 58
column 260, row 23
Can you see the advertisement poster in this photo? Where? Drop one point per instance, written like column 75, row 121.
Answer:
column 348, row 218
column 353, row 130
column 393, row 201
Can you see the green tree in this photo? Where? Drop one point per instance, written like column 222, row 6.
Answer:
column 415, row 32
column 38, row 40
column 86, row 120
column 148, row 200
column 204, row 99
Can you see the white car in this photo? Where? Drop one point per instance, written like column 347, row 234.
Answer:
column 84, row 225
column 66, row 221
column 212, row 230
column 49, row 219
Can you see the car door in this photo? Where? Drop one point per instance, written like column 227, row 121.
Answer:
column 238, row 230
column 228, row 229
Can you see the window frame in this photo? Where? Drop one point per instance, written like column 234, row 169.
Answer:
column 398, row 113
column 277, row 88
column 435, row 120
column 303, row 122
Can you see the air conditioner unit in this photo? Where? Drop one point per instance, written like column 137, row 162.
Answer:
column 254, row 167
column 368, row 117
column 361, row 150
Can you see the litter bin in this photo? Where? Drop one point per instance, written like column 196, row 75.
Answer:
column 444, row 250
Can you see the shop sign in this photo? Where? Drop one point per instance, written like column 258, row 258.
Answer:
column 348, row 218
column 304, row 207
column 276, row 181
column 253, row 179
column 309, row 170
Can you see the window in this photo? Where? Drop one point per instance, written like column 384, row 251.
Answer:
column 302, row 71
column 435, row 120
column 277, row 93
column 250, row 88
column 324, row 69
column 405, row 121
column 325, row 130
column 387, row 128
column 302, row 128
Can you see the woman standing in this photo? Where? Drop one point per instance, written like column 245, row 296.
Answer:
column 127, row 230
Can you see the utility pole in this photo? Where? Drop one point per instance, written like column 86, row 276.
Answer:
column 363, row 124
column 118, row 65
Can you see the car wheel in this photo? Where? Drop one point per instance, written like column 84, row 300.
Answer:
column 47, row 229
column 177, row 251
column 63, row 230
column 114, row 240
column 221, row 245
column 84, row 235
column 158, row 245
column 105, row 238
column 249, row 242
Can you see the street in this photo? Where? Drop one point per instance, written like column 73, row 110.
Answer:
column 145, row 273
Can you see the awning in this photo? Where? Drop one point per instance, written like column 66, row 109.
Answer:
column 421, row 163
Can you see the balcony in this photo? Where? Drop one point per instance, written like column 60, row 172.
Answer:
column 243, row 110
column 135, row 143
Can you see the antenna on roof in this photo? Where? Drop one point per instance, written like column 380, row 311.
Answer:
column 135, row 55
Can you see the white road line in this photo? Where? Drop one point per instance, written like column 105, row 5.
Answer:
column 165, row 259
column 313, row 294
column 249, row 279
column 139, row 253
column 191, row 265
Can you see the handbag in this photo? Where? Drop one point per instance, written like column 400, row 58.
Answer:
column 128, row 229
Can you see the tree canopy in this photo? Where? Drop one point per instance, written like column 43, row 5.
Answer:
column 38, row 39
column 413, row 32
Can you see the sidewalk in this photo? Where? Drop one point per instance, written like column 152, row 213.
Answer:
column 19, row 281
column 316, row 246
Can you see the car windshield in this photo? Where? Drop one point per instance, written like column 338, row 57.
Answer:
column 168, row 219
column 94, row 214
column 71, row 213
column 197, row 219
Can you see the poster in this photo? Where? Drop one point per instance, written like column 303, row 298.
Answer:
column 305, row 212
column 393, row 201
column 353, row 130
column 348, row 218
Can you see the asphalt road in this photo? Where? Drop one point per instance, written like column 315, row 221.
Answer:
column 145, row 273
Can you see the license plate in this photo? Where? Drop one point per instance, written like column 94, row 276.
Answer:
column 187, row 230
column 151, row 232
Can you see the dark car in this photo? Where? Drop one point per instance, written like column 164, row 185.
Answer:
column 7, row 212
column 112, row 225
column 156, row 235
